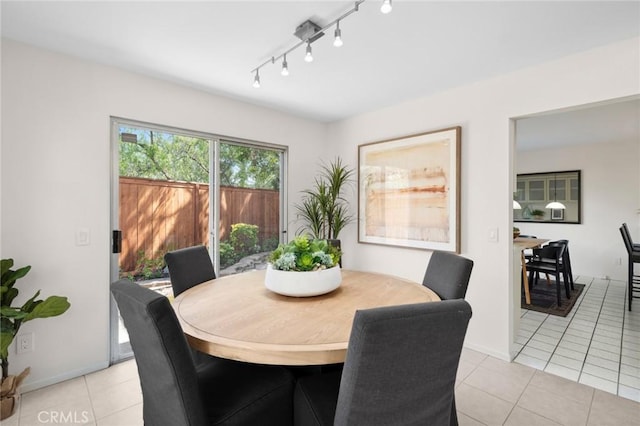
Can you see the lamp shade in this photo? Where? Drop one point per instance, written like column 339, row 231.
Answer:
column 555, row 205
column 516, row 205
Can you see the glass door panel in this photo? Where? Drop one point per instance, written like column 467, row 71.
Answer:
column 163, row 203
column 249, row 205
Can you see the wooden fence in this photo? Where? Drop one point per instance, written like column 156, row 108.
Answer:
column 156, row 216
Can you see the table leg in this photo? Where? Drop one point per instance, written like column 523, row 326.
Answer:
column 525, row 279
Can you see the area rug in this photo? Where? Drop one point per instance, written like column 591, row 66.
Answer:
column 543, row 298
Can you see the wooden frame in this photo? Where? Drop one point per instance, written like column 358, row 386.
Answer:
column 557, row 214
column 409, row 191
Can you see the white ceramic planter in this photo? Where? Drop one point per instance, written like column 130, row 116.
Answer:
column 302, row 284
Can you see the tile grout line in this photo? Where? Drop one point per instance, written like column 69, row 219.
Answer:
column 577, row 306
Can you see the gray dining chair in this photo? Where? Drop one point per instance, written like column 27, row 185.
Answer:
column 400, row 369
column 189, row 267
column 175, row 391
column 448, row 275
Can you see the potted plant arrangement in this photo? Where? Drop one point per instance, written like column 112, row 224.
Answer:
column 11, row 318
column 324, row 210
column 537, row 214
column 304, row 267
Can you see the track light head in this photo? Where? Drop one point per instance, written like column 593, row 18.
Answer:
column 337, row 41
column 386, row 6
column 285, row 66
column 308, row 57
column 256, row 80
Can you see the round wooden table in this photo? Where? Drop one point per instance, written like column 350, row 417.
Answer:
column 236, row 317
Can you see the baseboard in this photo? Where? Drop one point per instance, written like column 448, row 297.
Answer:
column 68, row 375
column 485, row 350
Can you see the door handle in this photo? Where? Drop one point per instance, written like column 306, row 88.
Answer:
column 116, row 241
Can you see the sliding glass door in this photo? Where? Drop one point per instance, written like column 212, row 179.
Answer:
column 173, row 189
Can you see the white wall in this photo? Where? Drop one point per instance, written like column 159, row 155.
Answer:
column 484, row 111
column 56, row 178
column 610, row 196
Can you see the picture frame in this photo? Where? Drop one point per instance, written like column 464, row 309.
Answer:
column 534, row 191
column 409, row 191
column 557, row 214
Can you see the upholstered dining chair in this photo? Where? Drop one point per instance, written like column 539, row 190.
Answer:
column 189, row 267
column 633, row 279
column 175, row 392
column 400, row 369
column 448, row 275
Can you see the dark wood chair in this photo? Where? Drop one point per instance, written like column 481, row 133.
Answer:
column 548, row 260
column 565, row 261
column 633, row 280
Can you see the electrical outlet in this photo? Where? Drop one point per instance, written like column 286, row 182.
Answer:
column 24, row 343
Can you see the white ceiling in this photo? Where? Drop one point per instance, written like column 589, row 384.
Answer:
column 421, row 48
column 617, row 121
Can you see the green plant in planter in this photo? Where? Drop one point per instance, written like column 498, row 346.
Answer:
column 537, row 213
column 304, row 254
column 12, row 318
column 324, row 210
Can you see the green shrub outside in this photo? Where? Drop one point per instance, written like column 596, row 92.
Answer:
column 244, row 239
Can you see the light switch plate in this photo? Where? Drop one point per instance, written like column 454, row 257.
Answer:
column 83, row 237
column 493, row 235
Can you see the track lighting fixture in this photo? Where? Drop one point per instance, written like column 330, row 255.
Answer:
column 337, row 40
column 308, row 57
column 386, row 6
column 308, row 32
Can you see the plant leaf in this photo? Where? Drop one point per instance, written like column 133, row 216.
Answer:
column 31, row 303
column 14, row 313
column 5, row 341
column 51, row 307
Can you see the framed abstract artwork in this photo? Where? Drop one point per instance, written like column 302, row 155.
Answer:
column 409, row 191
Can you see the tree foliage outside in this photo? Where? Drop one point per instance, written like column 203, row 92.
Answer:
column 167, row 156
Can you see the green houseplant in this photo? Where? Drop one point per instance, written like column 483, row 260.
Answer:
column 304, row 254
column 304, row 267
column 537, row 214
column 12, row 317
column 324, row 210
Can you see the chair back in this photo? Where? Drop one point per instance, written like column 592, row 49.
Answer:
column 401, row 364
column 551, row 253
column 626, row 237
column 189, row 267
column 167, row 374
column 448, row 275
column 627, row 233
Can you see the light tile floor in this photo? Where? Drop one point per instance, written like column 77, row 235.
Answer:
column 488, row 392
column 597, row 344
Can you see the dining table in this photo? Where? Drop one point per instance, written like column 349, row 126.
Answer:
column 237, row 317
column 521, row 244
